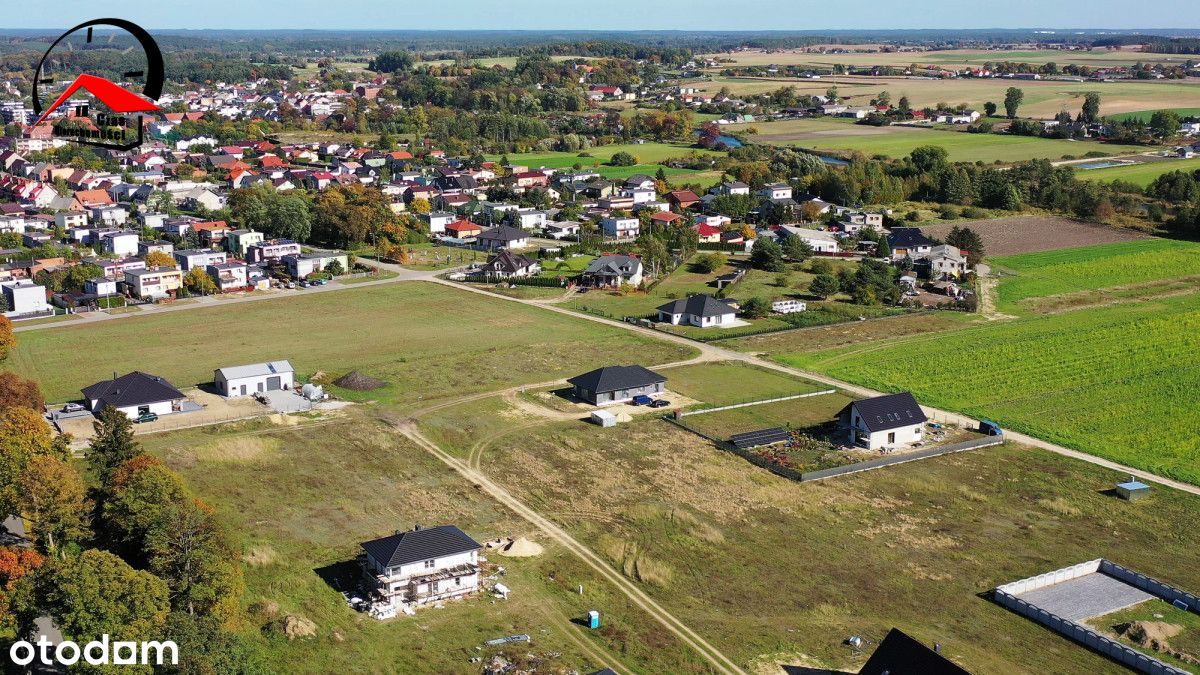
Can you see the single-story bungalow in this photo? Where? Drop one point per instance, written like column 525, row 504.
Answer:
column 255, row 378
column 616, row 384
column 134, row 394
column 699, row 310
column 503, row 236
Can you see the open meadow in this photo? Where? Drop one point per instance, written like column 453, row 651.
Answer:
column 337, row 482
column 424, row 340
column 802, row 566
column 648, row 155
column 869, row 55
column 824, row 134
column 1141, row 174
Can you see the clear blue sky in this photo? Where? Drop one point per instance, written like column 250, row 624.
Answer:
column 613, row 14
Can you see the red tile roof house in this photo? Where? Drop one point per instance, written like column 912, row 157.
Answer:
column 463, row 229
column 664, row 218
column 682, row 199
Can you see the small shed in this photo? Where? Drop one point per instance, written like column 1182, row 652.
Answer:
column 604, row 418
column 1133, row 490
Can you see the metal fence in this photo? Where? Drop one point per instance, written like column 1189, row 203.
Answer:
column 757, row 402
column 870, row 464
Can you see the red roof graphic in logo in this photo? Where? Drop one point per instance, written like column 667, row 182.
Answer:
column 117, row 99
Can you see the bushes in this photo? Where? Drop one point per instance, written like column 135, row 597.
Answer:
column 974, row 213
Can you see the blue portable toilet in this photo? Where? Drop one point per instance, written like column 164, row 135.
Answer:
column 593, row 619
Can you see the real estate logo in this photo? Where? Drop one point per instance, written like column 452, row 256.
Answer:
column 119, row 122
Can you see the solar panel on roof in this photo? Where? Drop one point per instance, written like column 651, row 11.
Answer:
column 754, row 439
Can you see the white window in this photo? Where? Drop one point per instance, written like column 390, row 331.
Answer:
column 429, row 564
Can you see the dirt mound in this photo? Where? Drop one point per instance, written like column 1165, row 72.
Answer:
column 522, row 548
column 1152, row 634
column 294, row 626
column 356, row 381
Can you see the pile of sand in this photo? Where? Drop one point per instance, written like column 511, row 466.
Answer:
column 356, row 381
column 522, row 548
column 1152, row 634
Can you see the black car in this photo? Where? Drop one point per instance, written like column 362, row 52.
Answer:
column 660, row 403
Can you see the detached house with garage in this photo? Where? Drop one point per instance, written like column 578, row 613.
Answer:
column 884, row 421
column 616, row 384
column 421, row 565
column 908, row 242
column 613, row 270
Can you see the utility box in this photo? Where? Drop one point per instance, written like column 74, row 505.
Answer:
column 604, row 418
column 593, row 619
column 1133, row 490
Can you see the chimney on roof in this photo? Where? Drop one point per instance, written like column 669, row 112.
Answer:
column 417, row 527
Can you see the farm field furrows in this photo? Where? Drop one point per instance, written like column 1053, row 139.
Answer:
column 1120, row 382
column 1010, row 235
column 1091, row 268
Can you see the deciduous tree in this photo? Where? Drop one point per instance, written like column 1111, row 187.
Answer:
column 54, row 498
column 17, row 391
column 96, row 593
column 112, row 444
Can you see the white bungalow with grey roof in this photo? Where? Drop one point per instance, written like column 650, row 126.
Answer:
column 613, row 270
column 421, row 565
column 503, row 237
column 884, row 421
column 255, row 378
column 616, row 384
column 704, row 311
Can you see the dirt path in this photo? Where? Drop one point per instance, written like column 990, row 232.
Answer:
column 988, row 286
column 719, row 662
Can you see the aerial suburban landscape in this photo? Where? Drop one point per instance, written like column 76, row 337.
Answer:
column 600, row 340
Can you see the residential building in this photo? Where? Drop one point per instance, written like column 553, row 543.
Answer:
column 123, row 243
column 503, row 237
column 700, row 310
column 463, row 229
column 613, row 270
column 616, row 384
column 898, row 653
column 562, row 230
column 820, row 241
column 24, row 298
column 145, row 248
column 944, row 261
column 135, row 394
column 255, row 378
column 908, row 241
column 421, row 565
column 621, row 227
column 153, row 282
column 71, row 219
column 507, row 264
column 529, row 219
column 884, row 421
column 272, row 249
column 438, row 220
column 229, row 275
column 776, row 191
column 304, row 264
column 198, row 257
column 238, row 242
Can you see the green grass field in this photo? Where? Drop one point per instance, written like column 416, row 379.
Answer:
column 1145, row 115
column 425, row 340
column 1139, row 174
column 1091, row 268
column 961, row 146
column 1116, row 381
column 1187, row 640
column 719, row 384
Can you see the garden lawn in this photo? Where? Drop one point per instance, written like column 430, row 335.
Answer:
column 424, row 340
column 1120, row 382
column 646, row 153
column 1141, row 174
column 1091, row 268
column 726, row 383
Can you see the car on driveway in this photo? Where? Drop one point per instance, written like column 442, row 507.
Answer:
column 146, row 417
column 642, row 399
column 73, row 408
column 660, row 403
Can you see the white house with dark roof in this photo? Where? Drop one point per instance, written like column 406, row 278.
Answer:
column 135, row 394
column 613, row 270
column 884, row 421
column 503, row 236
column 255, row 378
column 421, row 565
column 616, row 384
column 704, row 311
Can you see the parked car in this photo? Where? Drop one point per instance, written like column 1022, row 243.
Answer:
column 146, row 417
column 291, row 284
column 660, row 403
column 73, row 407
column 303, row 284
column 642, row 399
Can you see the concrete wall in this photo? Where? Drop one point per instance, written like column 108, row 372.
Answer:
column 1051, row 578
column 1085, row 636
column 1151, row 586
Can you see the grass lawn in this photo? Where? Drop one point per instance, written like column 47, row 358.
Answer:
column 1113, row 381
column 338, row 484
column 802, row 566
column 425, row 340
column 800, row 413
column 1145, row 115
column 1139, row 174
column 719, row 384
column 849, row 333
column 1086, row 269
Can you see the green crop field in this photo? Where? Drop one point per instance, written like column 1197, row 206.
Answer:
column 1091, row 268
column 1120, row 382
column 646, row 153
column 961, row 146
column 425, row 340
column 1145, row 115
column 1139, row 174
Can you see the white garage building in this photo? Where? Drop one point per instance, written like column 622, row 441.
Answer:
column 254, row 378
